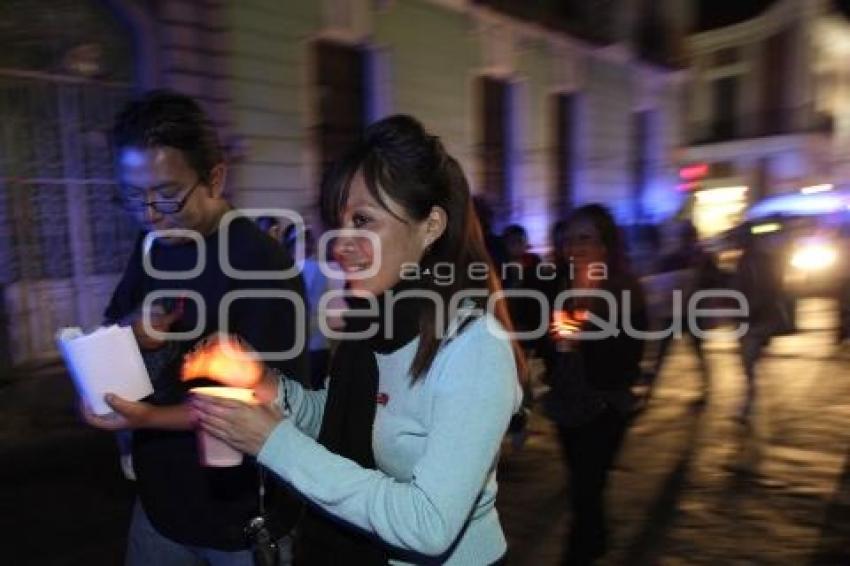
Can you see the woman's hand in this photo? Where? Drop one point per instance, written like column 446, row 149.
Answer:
column 266, row 390
column 244, row 427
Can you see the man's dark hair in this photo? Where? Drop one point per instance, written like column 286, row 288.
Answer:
column 164, row 118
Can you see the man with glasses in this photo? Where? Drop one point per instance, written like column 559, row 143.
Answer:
column 172, row 174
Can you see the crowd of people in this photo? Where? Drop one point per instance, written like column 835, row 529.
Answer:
column 382, row 445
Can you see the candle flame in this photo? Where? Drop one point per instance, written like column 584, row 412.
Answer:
column 566, row 325
column 224, row 359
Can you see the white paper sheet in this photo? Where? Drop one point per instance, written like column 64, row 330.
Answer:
column 104, row 361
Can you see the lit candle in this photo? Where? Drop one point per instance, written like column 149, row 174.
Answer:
column 213, row 451
column 566, row 327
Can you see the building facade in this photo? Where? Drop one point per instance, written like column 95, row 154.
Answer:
column 767, row 108
column 541, row 119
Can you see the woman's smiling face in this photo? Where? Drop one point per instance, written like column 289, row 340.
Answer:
column 400, row 240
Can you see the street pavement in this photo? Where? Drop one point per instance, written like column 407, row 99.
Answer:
column 692, row 485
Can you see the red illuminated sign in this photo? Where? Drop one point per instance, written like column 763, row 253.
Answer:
column 693, row 172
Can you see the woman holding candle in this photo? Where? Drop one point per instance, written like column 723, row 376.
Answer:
column 398, row 454
column 592, row 371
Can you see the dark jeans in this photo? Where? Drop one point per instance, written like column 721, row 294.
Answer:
column 147, row 547
column 589, row 451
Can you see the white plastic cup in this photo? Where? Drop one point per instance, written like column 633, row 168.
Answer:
column 215, row 452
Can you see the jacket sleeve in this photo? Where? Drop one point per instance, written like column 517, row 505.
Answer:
column 306, row 406
column 428, row 513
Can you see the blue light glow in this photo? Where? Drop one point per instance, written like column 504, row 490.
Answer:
column 800, row 204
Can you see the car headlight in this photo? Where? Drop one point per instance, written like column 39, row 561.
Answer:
column 814, row 257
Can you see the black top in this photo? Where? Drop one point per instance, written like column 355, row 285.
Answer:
column 185, row 501
column 759, row 278
column 612, row 363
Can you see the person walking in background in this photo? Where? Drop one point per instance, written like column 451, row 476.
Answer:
column 688, row 268
column 494, row 244
column 759, row 278
column 519, row 274
column 398, row 456
column 590, row 399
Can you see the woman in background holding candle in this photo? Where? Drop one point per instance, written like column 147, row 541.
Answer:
column 401, row 448
column 592, row 411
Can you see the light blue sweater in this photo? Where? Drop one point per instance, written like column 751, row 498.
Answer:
column 436, row 446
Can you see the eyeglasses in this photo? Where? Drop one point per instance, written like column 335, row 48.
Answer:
column 136, row 204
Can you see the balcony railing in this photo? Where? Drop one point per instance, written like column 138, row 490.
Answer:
column 758, row 125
